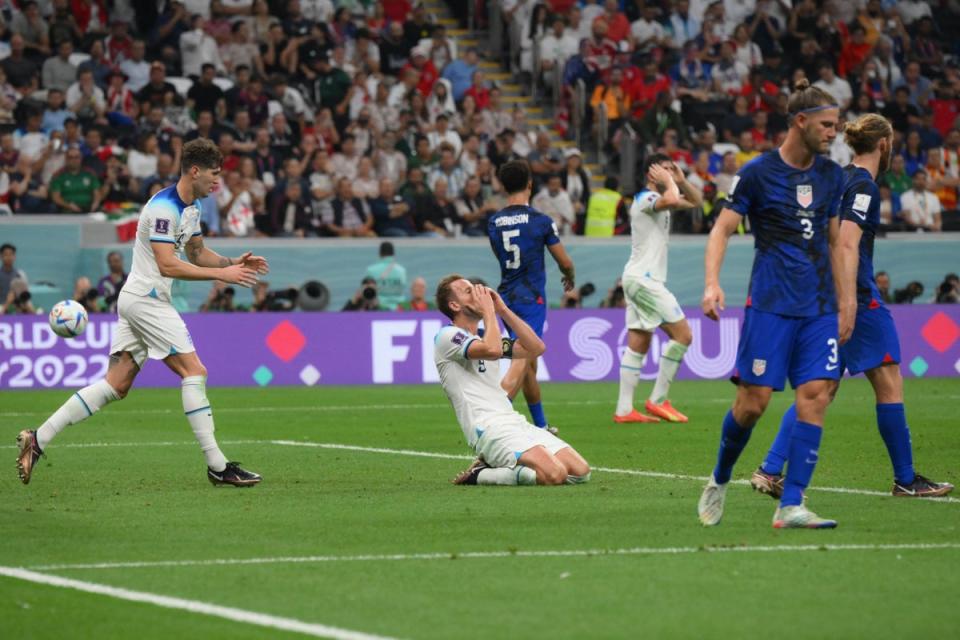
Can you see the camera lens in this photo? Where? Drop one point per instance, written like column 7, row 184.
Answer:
column 92, row 294
column 229, row 291
column 24, row 297
column 369, row 293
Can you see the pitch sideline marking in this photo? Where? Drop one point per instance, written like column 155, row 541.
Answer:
column 475, row 555
column 452, row 456
column 193, row 606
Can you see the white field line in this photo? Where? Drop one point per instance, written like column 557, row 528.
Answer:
column 193, row 606
column 480, row 555
column 453, row 456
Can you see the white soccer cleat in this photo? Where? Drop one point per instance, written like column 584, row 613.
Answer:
column 799, row 517
column 710, row 507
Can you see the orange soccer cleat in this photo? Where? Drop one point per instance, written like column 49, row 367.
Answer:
column 634, row 416
column 665, row 411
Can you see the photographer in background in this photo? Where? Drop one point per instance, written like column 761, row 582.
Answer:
column 908, row 294
column 8, row 271
column 220, row 298
column 573, row 299
column 18, row 300
column 614, row 299
column 949, row 290
column 111, row 284
column 365, row 299
column 85, row 293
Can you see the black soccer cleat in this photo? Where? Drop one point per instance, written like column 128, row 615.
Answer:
column 921, row 488
column 233, row 474
column 469, row 475
column 29, row 453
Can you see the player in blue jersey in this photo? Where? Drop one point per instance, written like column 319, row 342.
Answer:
column 868, row 336
column 150, row 328
column 518, row 234
column 792, row 196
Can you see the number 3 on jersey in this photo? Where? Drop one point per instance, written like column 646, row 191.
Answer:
column 513, row 263
column 807, row 225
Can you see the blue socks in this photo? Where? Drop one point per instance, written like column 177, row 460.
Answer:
column 732, row 441
column 892, row 422
column 804, row 451
column 536, row 412
column 780, row 449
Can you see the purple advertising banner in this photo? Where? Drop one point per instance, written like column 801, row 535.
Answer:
column 264, row 349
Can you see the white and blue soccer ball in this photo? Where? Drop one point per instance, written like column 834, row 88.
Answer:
column 68, row 318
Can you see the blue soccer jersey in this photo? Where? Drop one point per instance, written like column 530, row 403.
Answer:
column 861, row 206
column 518, row 235
column 789, row 211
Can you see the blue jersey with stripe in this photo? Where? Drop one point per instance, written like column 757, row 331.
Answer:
column 789, row 211
column 518, row 235
column 861, row 206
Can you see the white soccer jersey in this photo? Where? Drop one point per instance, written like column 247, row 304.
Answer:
column 650, row 237
column 165, row 218
column 473, row 386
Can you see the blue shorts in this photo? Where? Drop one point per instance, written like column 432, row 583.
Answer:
column 774, row 347
column 874, row 342
column 533, row 314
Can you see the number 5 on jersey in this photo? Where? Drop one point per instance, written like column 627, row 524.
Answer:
column 513, row 263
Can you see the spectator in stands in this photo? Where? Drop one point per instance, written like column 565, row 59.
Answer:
column 834, row 85
column 576, row 182
column 728, row 170
column 614, row 97
column 606, row 211
column 391, row 212
column 76, row 189
column 683, row 27
column 394, row 49
column 98, row 64
column 729, row 75
column 8, row 270
column 205, row 95
column 440, row 220
column 919, row 86
column 418, row 297
column 351, row 217
column 291, row 216
column 28, row 191
column 239, row 50
column 473, row 210
column 136, row 68
column 30, row 25
column 152, row 94
column 914, row 155
column 660, row 117
column 55, row 114
column 443, row 134
column 889, row 208
column 110, row 285
column 556, row 48
column 618, row 27
column 942, row 183
column 600, row 52
column 553, row 200
column 449, row 172
column 691, row 76
column 544, row 159
column 86, row 294
column 390, row 278
column 897, row 177
column 495, row 117
column 58, row 71
column 920, row 207
column 21, row 70
column 647, row 33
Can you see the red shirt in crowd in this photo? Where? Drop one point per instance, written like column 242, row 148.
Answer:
column 396, row 10
column 599, row 56
column 754, row 98
column 618, row 27
column 481, row 96
column 944, row 114
column 643, row 93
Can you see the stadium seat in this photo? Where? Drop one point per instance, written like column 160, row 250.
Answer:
column 225, row 84
column 182, row 84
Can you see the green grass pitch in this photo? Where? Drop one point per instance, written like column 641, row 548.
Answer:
column 129, row 486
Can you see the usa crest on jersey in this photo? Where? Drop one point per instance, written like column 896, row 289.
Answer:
column 804, row 195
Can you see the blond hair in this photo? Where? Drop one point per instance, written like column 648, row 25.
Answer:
column 806, row 98
column 864, row 133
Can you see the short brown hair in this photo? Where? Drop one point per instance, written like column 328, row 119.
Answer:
column 202, row 153
column 445, row 293
column 864, row 133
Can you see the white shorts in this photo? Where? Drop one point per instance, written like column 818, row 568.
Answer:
column 649, row 304
column 149, row 328
column 501, row 445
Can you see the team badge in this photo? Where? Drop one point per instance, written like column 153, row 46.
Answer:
column 861, row 202
column 759, row 367
column 805, row 195
column 162, row 226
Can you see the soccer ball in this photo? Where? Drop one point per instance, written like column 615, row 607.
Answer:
column 68, row 318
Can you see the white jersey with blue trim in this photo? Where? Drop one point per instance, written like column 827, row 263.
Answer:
column 473, row 386
column 165, row 218
column 650, row 238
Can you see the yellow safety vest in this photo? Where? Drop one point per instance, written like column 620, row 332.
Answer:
column 602, row 213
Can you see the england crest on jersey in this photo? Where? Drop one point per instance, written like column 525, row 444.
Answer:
column 759, row 367
column 804, row 195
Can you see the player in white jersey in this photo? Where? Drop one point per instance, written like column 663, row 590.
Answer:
column 649, row 303
column 149, row 326
column 510, row 450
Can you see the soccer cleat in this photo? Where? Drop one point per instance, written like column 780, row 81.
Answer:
column 634, row 416
column 767, row 483
column 29, row 454
column 799, row 517
column 469, row 475
column 233, row 474
column 665, row 410
column 552, row 430
column 922, row 487
column 710, row 507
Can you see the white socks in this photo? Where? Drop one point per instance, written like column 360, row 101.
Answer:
column 78, row 407
column 504, row 476
column 578, row 479
column 670, row 359
column 198, row 412
column 630, row 366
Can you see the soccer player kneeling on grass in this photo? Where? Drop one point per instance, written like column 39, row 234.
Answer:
column 510, row 450
column 149, row 326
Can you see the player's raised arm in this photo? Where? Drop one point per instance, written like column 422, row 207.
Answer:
column 678, row 193
column 713, row 298
column 171, row 266
column 528, row 344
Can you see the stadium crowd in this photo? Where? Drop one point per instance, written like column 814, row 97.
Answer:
column 354, row 118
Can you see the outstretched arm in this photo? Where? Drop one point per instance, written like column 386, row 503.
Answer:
column 171, row 266
column 202, row 256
